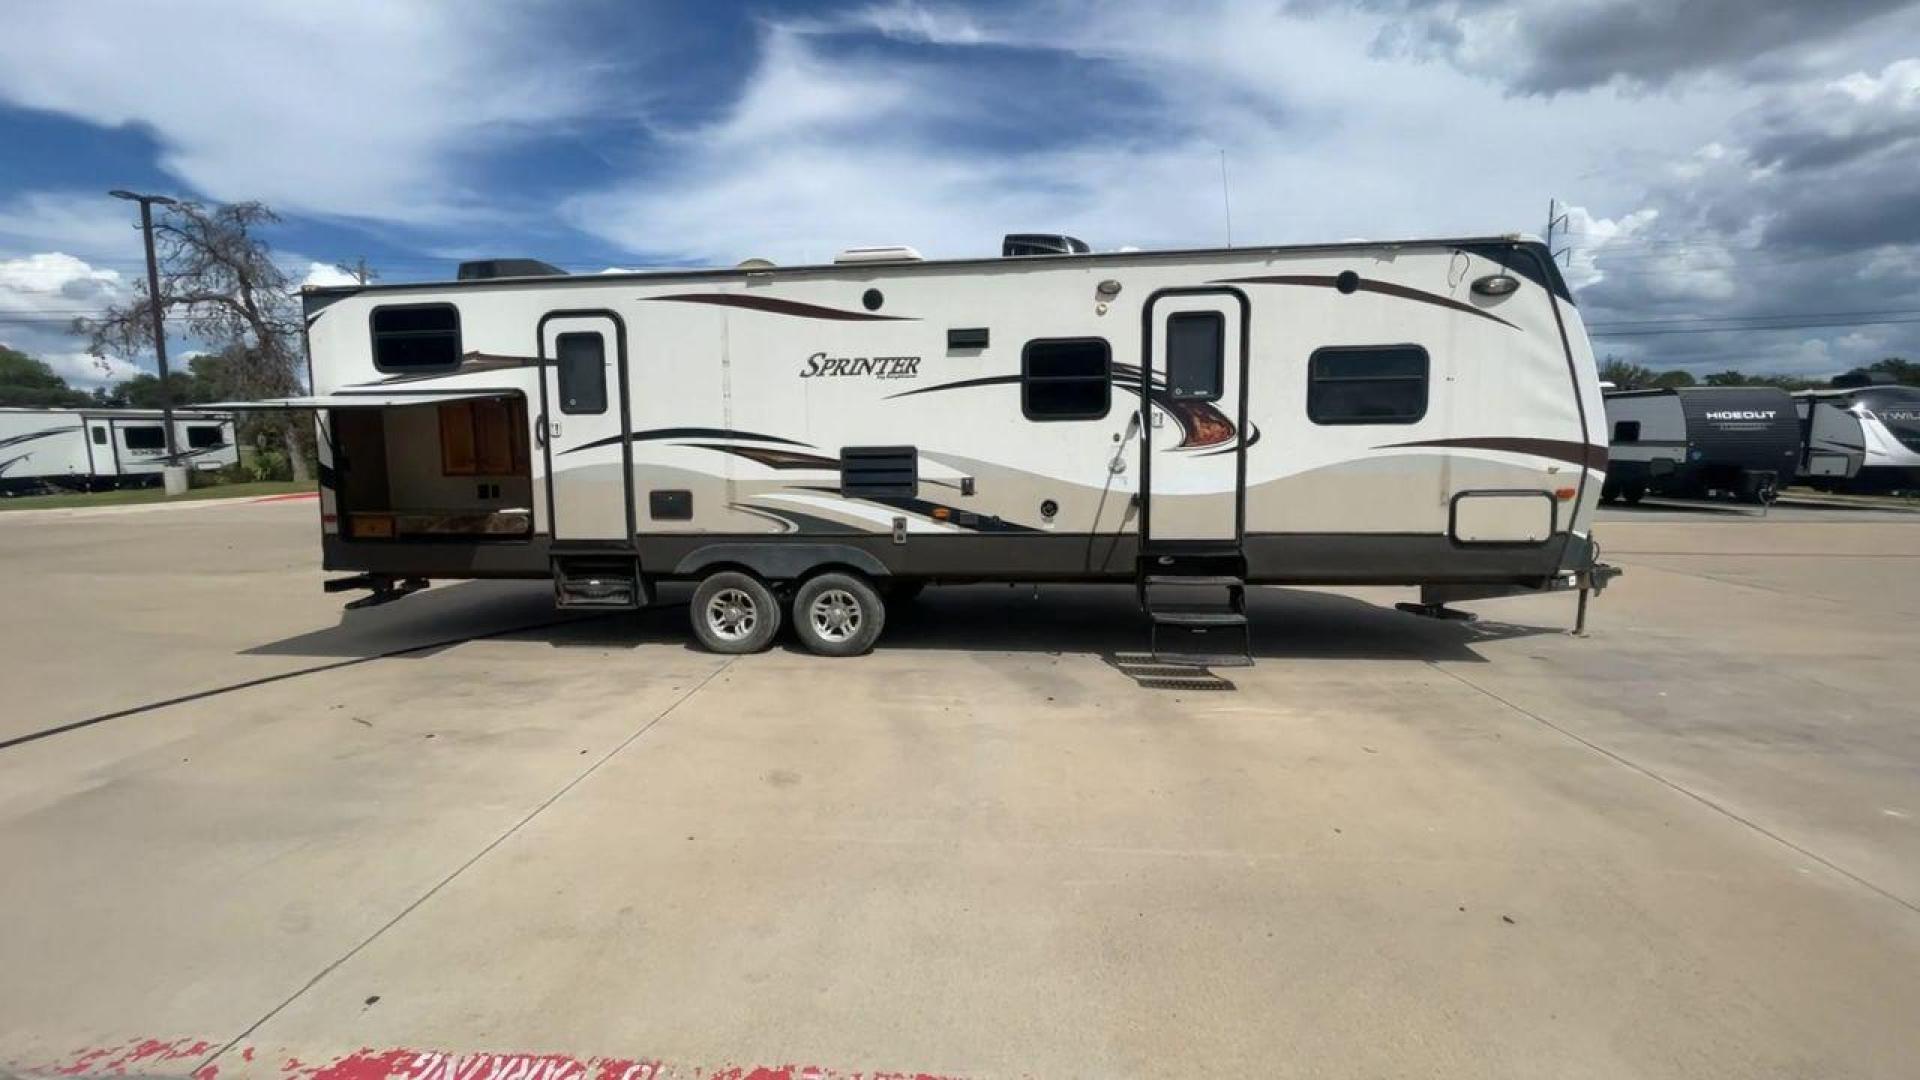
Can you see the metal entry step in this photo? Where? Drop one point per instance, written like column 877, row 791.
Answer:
column 1197, row 606
column 597, row 581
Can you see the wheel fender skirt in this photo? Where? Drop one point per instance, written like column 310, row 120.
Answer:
column 778, row 561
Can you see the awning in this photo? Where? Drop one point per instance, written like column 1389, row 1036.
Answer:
column 352, row 398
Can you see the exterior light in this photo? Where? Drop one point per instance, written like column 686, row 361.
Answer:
column 1496, row 285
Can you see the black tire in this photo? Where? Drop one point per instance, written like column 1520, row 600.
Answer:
column 838, row 614
column 734, row 612
column 1609, row 493
column 1632, row 495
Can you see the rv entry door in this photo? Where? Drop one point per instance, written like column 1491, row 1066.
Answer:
column 582, row 427
column 1193, row 410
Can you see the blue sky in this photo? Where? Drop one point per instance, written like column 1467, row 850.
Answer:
column 1723, row 159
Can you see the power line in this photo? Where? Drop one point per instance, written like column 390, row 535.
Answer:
column 1626, row 323
column 1749, row 329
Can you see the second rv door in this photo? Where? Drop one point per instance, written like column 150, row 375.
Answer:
column 1194, row 411
column 582, row 427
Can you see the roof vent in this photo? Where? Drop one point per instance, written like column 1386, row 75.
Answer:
column 892, row 253
column 1014, row 245
column 483, row 269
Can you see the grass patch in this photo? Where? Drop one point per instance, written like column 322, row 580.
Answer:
column 156, row 494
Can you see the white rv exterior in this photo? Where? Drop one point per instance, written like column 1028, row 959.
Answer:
column 1423, row 413
column 97, row 448
column 1864, row 438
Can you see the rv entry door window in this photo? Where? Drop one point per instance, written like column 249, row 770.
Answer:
column 1196, row 355
column 582, row 363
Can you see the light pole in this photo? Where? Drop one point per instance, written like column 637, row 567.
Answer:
column 147, row 203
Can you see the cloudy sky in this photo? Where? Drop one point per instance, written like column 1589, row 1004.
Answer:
column 1740, row 174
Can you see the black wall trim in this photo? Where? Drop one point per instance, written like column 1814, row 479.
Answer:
column 1305, row 559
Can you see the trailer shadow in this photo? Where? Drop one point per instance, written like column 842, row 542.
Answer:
column 1106, row 620
column 434, row 620
column 1102, row 620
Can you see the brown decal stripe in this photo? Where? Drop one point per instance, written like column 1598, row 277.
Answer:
column 1384, row 288
column 773, row 458
column 470, row 363
column 775, row 305
column 990, row 380
column 1576, row 453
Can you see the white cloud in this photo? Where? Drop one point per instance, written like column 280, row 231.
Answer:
column 41, row 294
column 324, row 274
column 359, row 107
column 84, row 372
column 829, row 147
column 55, row 285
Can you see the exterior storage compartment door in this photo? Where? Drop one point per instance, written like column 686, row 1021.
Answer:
column 582, row 430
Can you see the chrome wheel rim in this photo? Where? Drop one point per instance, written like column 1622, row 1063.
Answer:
column 732, row 614
column 835, row 615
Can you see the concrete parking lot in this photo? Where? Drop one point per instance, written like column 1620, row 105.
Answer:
column 243, row 833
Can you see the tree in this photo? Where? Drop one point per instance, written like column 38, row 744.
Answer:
column 1676, row 377
column 1624, row 374
column 220, row 280
column 143, row 390
column 30, row 383
column 1892, row 369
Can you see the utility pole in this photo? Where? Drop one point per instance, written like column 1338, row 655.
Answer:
column 1226, row 200
column 359, row 270
column 1556, row 217
column 147, row 203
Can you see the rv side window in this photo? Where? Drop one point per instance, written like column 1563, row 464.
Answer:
column 99, row 436
column 1066, row 379
column 416, row 337
column 1196, row 355
column 204, row 436
column 145, row 437
column 582, row 360
column 1368, row 384
column 1626, row 431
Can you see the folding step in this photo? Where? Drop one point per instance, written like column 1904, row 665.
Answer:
column 602, row 582
column 1197, row 605
column 1175, row 616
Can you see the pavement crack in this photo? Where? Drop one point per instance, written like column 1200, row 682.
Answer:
column 1682, row 789
column 468, row 864
column 248, row 684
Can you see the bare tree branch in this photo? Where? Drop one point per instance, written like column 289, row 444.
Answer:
column 220, row 285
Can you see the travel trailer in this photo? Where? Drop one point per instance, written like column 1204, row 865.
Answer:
column 811, row 444
column 92, row 449
column 1862, row 439
column 1695, row 442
